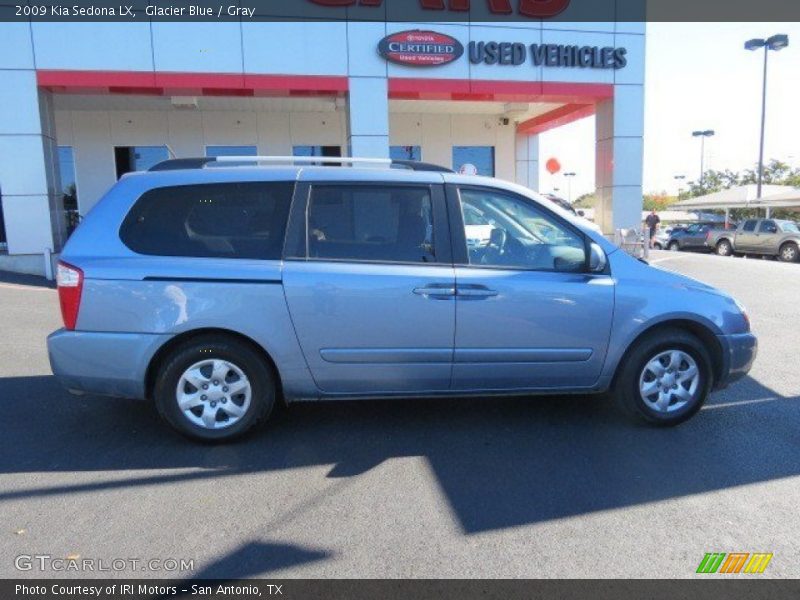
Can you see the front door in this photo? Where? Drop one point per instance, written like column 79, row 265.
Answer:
column 695, row 236
column 528, row 314
column 767, row 237
column 373, row 298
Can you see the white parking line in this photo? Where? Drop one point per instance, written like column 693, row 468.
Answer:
column 742, row 402
column 665, row 259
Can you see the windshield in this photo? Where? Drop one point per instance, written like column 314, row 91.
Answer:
column 789, row 227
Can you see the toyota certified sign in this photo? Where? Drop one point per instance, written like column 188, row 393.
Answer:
column 420, row 48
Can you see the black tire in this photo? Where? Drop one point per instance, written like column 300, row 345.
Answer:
column 657, row 246
column 724, row 248
column 673, row 246
column 626, row 385
column 209, row 347
column 789, row 252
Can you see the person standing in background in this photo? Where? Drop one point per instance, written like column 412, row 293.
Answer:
column 652, row 221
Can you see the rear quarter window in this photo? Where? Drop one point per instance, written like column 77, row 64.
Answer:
column 219, row 220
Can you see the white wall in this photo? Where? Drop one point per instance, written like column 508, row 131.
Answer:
column 339, row 48
column 438, row 133
column 93, row 135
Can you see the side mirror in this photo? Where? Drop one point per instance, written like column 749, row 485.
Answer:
column 581, row 213
column 597, row 259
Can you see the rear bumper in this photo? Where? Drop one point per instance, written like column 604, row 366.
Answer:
column 739, row 354
column 110, row 364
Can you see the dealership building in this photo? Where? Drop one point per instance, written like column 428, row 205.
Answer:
column 83, row 103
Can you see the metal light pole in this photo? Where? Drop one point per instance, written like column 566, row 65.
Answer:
column 776, row 42
column 703, row 135
column 569, row 177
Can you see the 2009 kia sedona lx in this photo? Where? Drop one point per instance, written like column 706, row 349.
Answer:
column 214, row 290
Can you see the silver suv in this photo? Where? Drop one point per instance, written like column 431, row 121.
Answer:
column 215, row 289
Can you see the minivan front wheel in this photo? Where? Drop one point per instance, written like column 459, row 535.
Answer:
column 665, row 379
column 214, row 388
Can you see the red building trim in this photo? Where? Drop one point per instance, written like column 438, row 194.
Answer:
column 579, row 98
column 197, row 84
column 498, row 91
column 66, row 81
column 556, row 118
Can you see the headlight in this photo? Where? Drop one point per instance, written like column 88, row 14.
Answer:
column 743, row 310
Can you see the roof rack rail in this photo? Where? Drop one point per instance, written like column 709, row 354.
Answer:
column 174, row 164
column 304, row 160
column 416, row 165
column 202, row 162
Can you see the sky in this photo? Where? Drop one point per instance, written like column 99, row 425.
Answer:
column 698, row 76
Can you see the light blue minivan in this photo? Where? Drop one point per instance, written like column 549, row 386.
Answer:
column 215, row 289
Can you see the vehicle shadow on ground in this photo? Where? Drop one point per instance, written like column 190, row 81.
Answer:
column 255, row 558
column 500, row 462
column 26, row 280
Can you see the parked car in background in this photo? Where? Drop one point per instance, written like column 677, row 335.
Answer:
column 477, row 228
column 693, row 237
column 563, row 204
column 661, row 239
column 216, row 291
column 765, row 237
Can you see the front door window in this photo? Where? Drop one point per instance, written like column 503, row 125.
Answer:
column 510, row 232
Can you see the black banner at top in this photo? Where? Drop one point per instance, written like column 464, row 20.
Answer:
column 424, row 11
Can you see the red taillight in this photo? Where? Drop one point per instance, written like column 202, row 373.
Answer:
column 70, row 286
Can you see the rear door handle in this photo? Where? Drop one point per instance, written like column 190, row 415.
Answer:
column 475, row 292
column 436, row 291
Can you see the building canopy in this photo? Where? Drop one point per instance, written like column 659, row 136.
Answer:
column 744, row 196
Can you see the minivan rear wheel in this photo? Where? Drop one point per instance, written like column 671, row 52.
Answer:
column 665, row 378
column 214, row 388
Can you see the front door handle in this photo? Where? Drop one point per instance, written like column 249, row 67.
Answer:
column 436, row 291
column 475, row 292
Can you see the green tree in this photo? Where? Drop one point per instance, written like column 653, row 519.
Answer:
column 776, row 172
column 658, row 201
column 713, row 181
column 586, row 201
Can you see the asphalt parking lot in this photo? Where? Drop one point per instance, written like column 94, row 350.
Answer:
column 535, row 487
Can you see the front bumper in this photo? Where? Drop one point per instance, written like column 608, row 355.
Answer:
column 109, row 364
column 739, row 353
